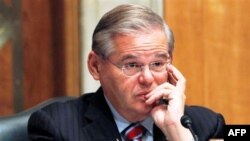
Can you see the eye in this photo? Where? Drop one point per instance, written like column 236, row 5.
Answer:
column 132, row 65
column 157, row 64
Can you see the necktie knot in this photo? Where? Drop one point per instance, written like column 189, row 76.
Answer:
column 134, row 132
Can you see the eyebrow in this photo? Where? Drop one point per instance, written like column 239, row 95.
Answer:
column 162, row 55
column 157, row 55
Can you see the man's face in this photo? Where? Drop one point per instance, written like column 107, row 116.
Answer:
column 127, row 93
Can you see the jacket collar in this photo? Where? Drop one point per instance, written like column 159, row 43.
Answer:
column 101, row 123
column 102, row 126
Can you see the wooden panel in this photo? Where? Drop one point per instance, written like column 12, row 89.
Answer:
column 212, row 52
column 51, row 51
column 72, row 49
column 66, row 46
column 185, row 19
column 42, row 59
column 227, row 55
column 6, row 80
column 37, row 51
column 9, row 23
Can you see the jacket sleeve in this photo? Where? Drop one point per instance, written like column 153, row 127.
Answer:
column 219, row 132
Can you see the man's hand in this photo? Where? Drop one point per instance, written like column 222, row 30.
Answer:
column 167, row 117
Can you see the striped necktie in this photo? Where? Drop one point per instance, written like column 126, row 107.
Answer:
column 134, row 132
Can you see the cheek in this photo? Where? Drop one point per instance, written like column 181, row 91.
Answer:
column 113, row 80
column 118, row 88
column 161, row 78
column 129, row 85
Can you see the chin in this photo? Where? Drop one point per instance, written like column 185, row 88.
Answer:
column 146, row 109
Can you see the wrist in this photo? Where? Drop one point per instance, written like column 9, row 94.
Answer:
column 176, row 132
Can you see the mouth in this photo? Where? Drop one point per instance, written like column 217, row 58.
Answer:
column 142, row 95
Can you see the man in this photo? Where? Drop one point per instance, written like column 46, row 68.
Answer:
column 131, row 57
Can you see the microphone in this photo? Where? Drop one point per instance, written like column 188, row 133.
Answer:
column 187, row 123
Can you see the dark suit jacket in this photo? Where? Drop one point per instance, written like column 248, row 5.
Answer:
column 88, row 118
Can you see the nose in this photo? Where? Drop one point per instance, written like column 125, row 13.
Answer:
column 146, row 77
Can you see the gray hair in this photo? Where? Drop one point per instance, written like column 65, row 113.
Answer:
column 127, row 19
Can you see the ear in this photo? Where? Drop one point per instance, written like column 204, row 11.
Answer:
column 93, row 65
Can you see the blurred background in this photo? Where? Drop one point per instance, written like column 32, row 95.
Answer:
column 44, row 45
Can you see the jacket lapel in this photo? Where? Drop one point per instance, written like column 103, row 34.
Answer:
column 101, row 125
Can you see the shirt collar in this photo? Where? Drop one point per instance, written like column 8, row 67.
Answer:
column 122, row 123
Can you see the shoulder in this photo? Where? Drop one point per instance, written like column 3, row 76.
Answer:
column 206, row 122
column 198, row 111
column 72, row 106
column 58, row 118
column 203, row 115
column 58, row 111
column 59, row 114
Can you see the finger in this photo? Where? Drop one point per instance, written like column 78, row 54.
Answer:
column 181, row 81
column 172, row 79
column 156, row 98
column 165, row 86
column 158, row 94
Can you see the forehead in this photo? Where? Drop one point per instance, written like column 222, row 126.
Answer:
column 141, row 43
